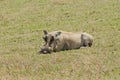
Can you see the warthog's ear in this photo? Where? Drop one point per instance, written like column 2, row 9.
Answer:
column 45, row 32
column 58, row 33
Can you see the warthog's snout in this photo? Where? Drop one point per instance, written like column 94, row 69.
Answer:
column 45, row 50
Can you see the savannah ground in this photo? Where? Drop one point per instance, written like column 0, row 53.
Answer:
column 21, row 25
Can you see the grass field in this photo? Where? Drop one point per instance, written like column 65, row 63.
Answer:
column 21, row 25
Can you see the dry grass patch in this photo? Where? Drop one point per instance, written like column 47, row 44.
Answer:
column 60, row 2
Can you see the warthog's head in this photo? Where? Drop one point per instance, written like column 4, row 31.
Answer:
column 50, row 40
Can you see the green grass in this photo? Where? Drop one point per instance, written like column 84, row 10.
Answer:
column 21, row 25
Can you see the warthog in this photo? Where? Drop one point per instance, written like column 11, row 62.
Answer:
column 61, row 40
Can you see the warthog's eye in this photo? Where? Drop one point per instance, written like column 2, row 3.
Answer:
column 51, row 40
